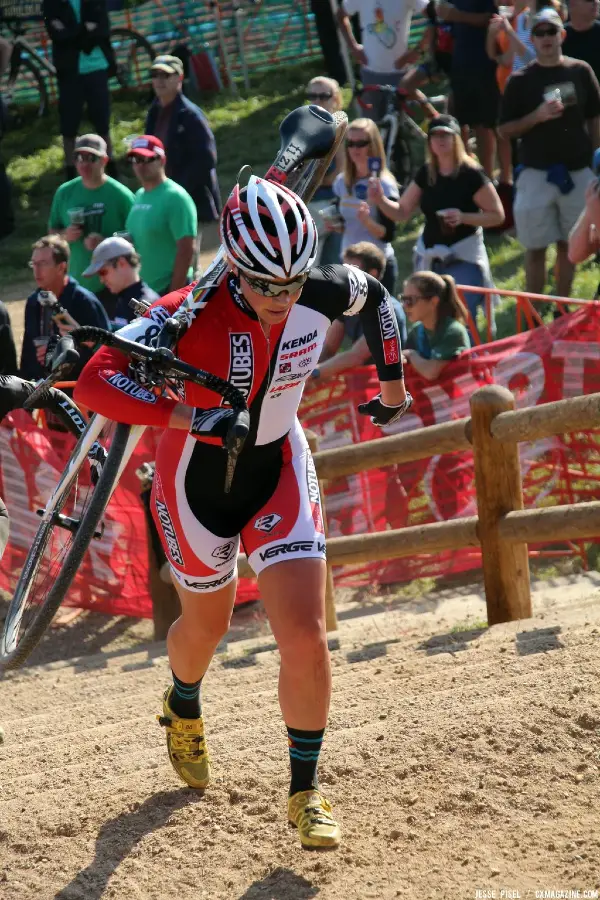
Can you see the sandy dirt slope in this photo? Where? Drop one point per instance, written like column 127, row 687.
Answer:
column 458, row 759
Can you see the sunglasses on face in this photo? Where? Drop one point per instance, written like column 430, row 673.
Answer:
column 142, row 160
column 409, row 301
column 545, row 32
column 362, row 143
column 274, row 289
column 86, row 158
column 315, row 96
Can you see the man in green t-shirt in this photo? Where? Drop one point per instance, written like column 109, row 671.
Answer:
column 90, row 207
column 163, row 220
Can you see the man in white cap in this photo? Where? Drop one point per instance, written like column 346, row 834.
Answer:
column 191, row 151
column 90, row 207
column 553, row 106
column 117, row 265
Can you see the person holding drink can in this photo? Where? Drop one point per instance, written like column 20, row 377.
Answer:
column 365, row 161
column 90, row 207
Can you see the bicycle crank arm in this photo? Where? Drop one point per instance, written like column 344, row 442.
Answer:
column 70, row 524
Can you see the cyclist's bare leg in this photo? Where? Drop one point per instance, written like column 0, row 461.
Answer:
column 195, row 635
column 293, row 594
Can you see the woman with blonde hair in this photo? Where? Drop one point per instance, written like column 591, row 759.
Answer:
column 326, row 93
column 458, row 201
column 364, row 158
column 439, row 317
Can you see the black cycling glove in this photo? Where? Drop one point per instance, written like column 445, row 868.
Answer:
column 213, row 422
column 381, row 414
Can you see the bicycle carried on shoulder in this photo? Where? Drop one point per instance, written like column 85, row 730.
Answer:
column 399, row 131
column 310, row 138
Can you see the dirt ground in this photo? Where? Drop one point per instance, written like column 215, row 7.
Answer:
column 458, row 758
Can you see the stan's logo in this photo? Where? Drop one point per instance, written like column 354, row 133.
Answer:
column 167, row 525
column 241, row 365
column 389, row 335
column 267, row 523
column 285, row 367
column 225, row 553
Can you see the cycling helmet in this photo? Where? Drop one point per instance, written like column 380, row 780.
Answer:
column 267, row 231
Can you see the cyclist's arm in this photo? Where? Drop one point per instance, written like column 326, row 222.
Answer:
column 105, row 385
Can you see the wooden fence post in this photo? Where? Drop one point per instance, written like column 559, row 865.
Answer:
column 499, row 491
column 330, row 616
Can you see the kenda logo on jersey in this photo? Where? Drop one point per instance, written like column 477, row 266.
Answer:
column 167, row 526
column 129, row 387
column 389, row 335
column 299, row 342
column 241, row 362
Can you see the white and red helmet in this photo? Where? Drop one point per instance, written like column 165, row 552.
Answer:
column 267, row 231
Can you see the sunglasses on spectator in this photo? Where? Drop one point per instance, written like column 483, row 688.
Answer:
column 87, row 158
column 544, row 32
column 314, row 96
column 142, row 160
column 162, row 76
column 273, row 288
column 409, row 302
column 364, row 142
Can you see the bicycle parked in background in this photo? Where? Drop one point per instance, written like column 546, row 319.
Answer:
column 26, row 79
column 401, row 134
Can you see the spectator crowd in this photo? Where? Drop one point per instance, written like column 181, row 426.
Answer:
column 517, row 144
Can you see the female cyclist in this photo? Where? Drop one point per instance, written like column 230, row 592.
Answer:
column 262, row 328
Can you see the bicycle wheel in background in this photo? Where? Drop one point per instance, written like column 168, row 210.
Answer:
column 57, row 552
column 134, row 55
column 24, row 86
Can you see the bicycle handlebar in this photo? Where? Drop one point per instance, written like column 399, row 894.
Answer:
column 418, row 98
column 163, row 363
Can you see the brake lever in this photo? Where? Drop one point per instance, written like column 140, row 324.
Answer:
column 234, row 444
column 65, row 357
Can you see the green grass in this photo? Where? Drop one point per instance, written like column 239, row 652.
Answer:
column 246, row 131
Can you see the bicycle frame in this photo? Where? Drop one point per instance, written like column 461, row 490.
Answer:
column 88, row 439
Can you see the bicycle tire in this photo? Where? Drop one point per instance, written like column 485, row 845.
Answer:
column 36, row 83
column 136, row 46
column 404, row 164
column 12, row 659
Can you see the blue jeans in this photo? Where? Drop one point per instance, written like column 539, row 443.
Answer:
column 466, row 273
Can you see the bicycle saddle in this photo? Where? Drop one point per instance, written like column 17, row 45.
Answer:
column 306, row 133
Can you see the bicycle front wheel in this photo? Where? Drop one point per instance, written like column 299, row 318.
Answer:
column 25, row 86
column 57, row 551
column 134, row 55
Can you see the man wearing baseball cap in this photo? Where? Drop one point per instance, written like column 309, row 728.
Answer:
column 117, row 265
column 89, row 207
column 163, row 221
column 186, row 135
column 553, row 106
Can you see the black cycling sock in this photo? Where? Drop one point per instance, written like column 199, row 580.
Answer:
column 185, row 698
column 304, row 747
